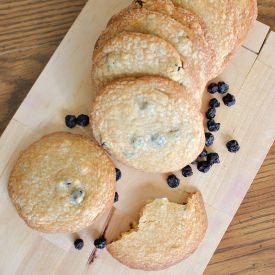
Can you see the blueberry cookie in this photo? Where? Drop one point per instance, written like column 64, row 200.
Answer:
column 62, row 183
column 202, row 51
column 148, row 123
column 131, row 54
column 169, row 29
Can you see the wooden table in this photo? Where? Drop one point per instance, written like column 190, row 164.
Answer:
column 31, row 30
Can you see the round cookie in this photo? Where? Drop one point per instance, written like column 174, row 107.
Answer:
column 245, row 15
column 132, row 54
column 219, row 18
column 148, row 123
column 203, row 54
column 165, row 27
column 62, row 183
column 162, row 6
column 166, row 234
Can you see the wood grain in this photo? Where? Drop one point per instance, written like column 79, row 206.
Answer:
column 29, row 33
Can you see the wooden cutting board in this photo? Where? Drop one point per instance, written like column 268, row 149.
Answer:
column 65, row 87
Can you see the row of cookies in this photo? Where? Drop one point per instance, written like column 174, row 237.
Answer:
column 183, row 43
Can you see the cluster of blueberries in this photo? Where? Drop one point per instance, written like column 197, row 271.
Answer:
column 205, row 160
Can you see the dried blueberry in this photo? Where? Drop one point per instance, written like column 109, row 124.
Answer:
column 223, row 87
column 70, row 121
column 100, row 242
column 213, row 88
column 140, row 3
column 203, row 154
column 209, row 139
column 83, row 120
column 233, row 146
column 229, row 100
column 211, row 113
column 78, row 244
column 118, row 174
column 173, row 181
column 203, row 166
column 213, row 126
column 187, row 171
column 116, row 197
column 213, row 158
column 214, row 103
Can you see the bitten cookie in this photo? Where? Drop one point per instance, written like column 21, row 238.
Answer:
column 62, row 183
column 137, row 54
column 166, row 234
column 149, row 123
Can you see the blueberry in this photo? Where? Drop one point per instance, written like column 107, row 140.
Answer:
column 78, row 244
column 223, row 87
column 233, row 146
column 83, row 120
column 70, row 121
column 118, row 174
column 173, row 181
column 187, row 171
column 140, row 2
column 229, row 100
column 194, row 162
column 213, row 88
column 203, row 154
column 213, row 126
column 203, row 166
column 213, row 158
column 214, row 103
column 209, row 139
column 100, row 242
column 211, row 113
column 116, row 197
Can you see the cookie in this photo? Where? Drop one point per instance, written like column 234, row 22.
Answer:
column 246, row 14
column 62, row 183
column 165, row 27
column 203, row 53
column 166, row 234
column 136, row 54
column 148, row 123
column 162, row 6
column 219, row 18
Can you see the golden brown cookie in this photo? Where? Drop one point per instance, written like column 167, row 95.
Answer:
column 219, row 17
column 166, row 234
column 148, row 123
column 202, row 54
column 62, row 183
column 137, row 54
column 167, row 28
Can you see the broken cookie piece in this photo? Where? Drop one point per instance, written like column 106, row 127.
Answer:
column 167, row 233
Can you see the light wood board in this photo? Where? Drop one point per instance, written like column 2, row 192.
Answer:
column 65, row 87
